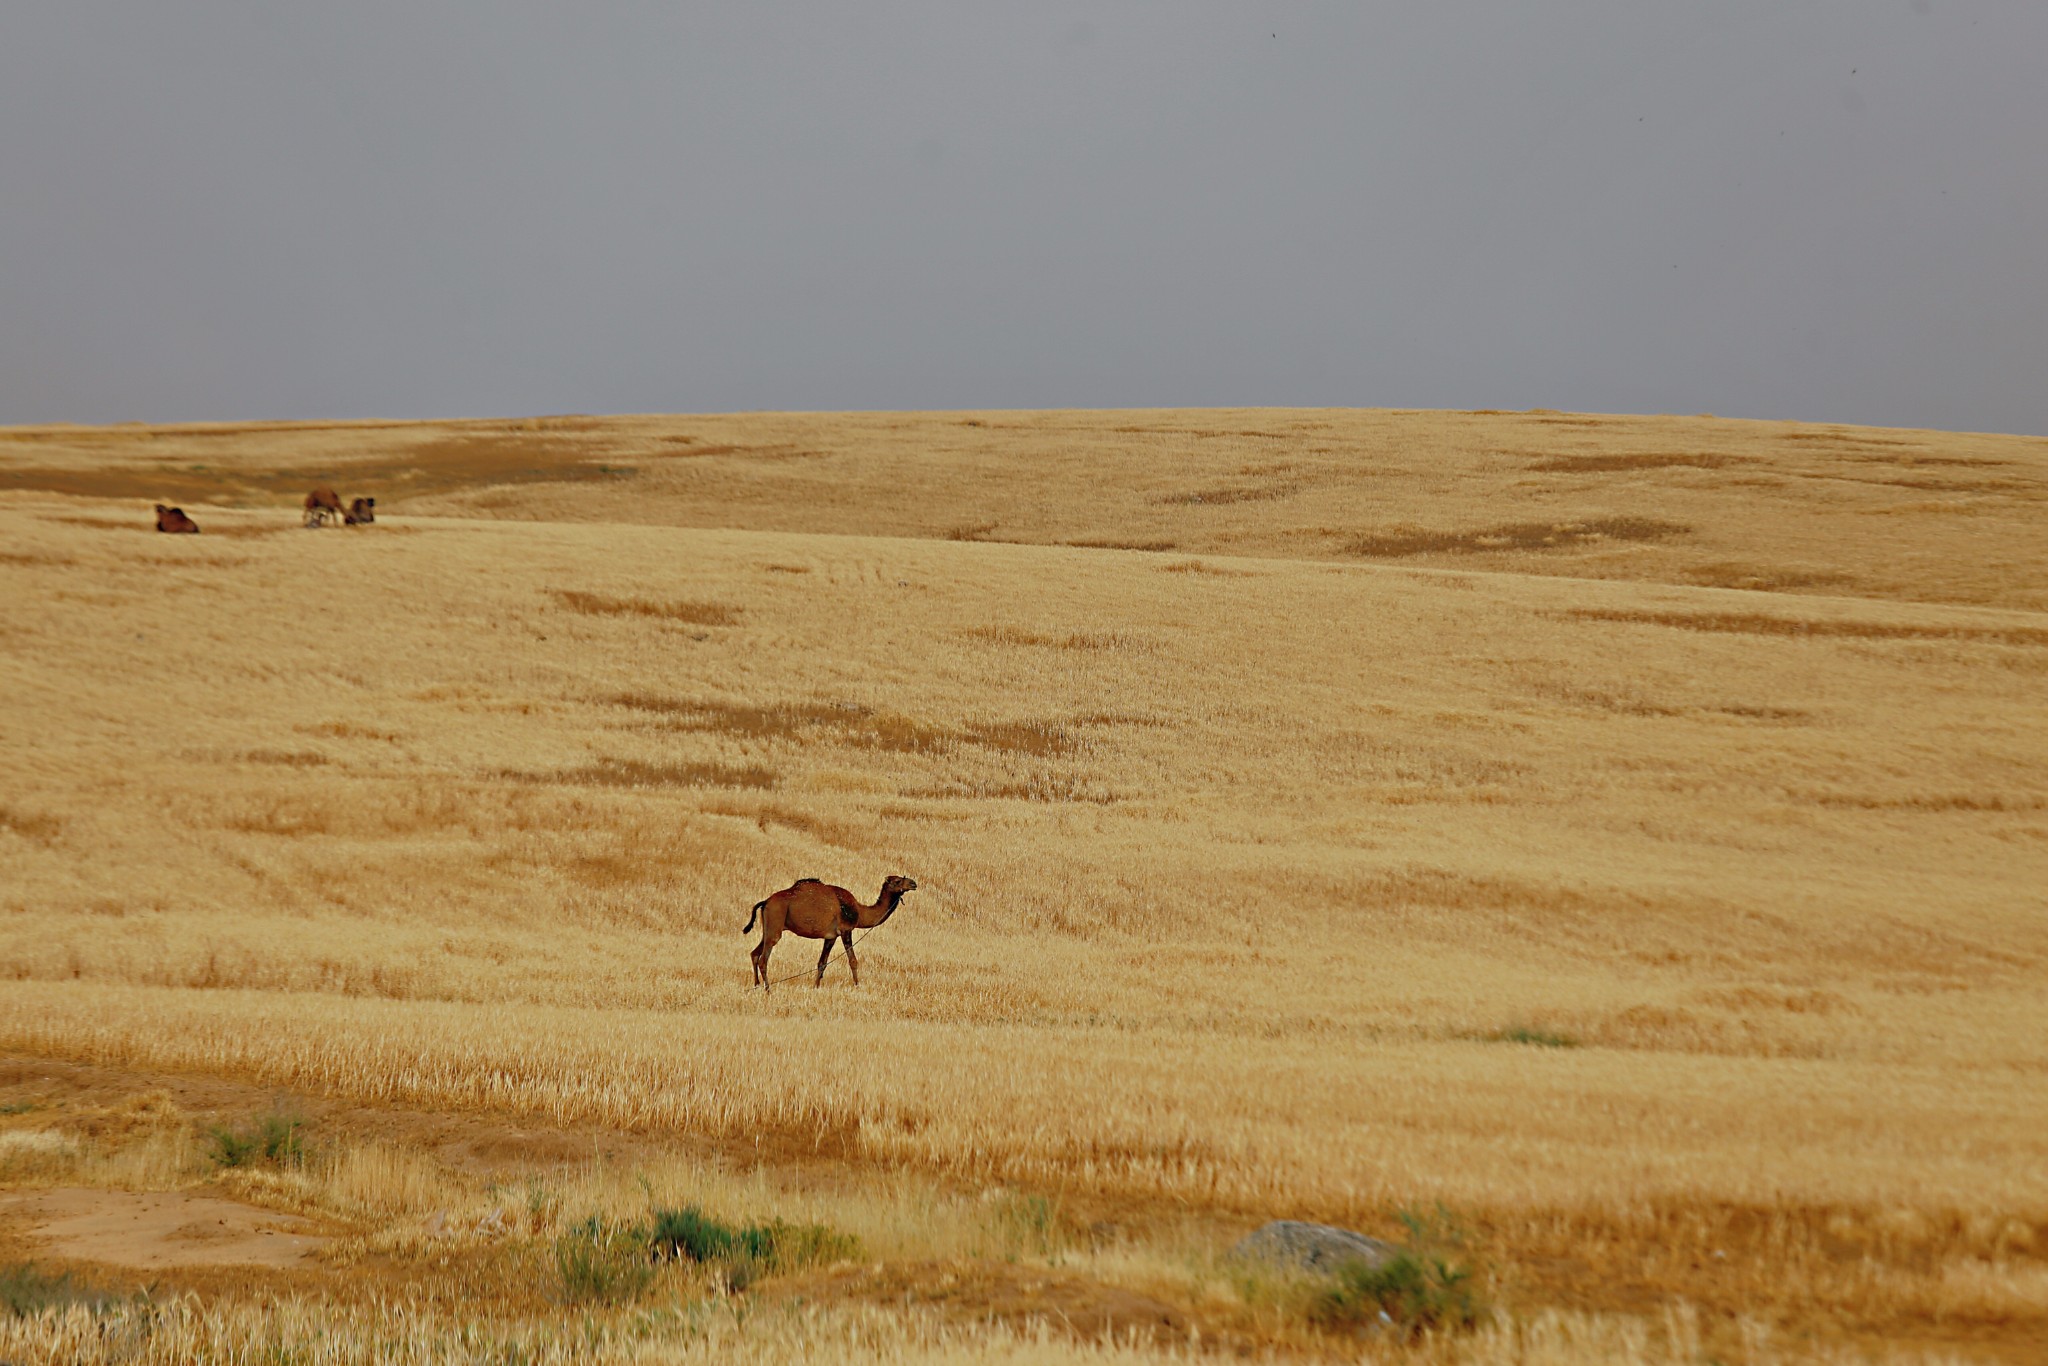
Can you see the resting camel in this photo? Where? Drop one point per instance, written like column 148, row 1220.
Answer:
column 361, row 512
column 817, row 911
column 174, row 519
column 321, row 504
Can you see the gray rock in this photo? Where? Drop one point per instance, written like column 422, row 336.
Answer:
column 1311, row 1247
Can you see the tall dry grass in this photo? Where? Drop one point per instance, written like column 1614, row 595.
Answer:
column 299, row 1331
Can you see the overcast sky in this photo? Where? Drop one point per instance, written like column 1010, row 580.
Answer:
column 1833, row 211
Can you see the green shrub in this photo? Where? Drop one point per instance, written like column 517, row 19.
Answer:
column 745, row 1251
column 603, row 1262
column 691, row 1234
column 274, row 1140
column 1426, row 1287
column 1414, row 1293
column 231, row 1149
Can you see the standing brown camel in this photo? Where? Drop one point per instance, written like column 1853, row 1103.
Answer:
column 817, row 910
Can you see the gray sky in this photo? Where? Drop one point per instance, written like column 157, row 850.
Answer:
column 1826, row 210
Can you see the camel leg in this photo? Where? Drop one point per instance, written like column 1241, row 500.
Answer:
column 821, row 964
column 761, row 963
column 851, row 961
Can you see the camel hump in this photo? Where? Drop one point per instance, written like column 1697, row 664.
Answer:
column 808, row 882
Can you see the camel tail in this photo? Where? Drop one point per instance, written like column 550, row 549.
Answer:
column 759, row 906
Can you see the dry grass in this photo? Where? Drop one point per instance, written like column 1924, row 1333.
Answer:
column 688, row 613
column 1240, row 872
column 450, row 1262
column 727, row 1331
column 1513, row 536
column 1757, row 623
column 1781, row 502
column 1058, row 640
column 1620, row 461
column 30, row 826
column 640, row 773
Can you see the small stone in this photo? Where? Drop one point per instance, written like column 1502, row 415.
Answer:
column 1312, row 1247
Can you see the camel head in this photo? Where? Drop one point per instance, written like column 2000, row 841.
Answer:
column 895, row 885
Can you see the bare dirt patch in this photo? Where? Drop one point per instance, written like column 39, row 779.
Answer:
column 1758, row 578
column 1216, row 497
column 1842, row 436
column 688, row 613
column 1511, row 536
column 1067, row 640
column 1760, row 624
column 1635, row 460
column 638, row 773
column 1151, row 547
column 151, row 1229
column 1050, row 788
column 864, row 727
column 31, row 826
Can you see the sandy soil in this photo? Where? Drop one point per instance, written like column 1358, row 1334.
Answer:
column 156, row 1229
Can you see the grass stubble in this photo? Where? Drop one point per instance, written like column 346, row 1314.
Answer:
column 1450, row 839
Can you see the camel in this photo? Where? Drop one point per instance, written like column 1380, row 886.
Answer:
column 361, row 512
column 321, row 504
column 174, row 519
column 816, row 910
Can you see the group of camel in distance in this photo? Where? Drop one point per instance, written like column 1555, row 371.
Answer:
column 808, row 908
column 323, row 505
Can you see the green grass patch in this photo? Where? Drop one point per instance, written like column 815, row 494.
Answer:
column 1411, row 1293
column 607, row 1261
column 743, row 1252
column 1427, row 1287
column 275, row 1141
column 600, row 1261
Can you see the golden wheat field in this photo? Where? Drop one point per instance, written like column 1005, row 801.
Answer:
column 1624, row 840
